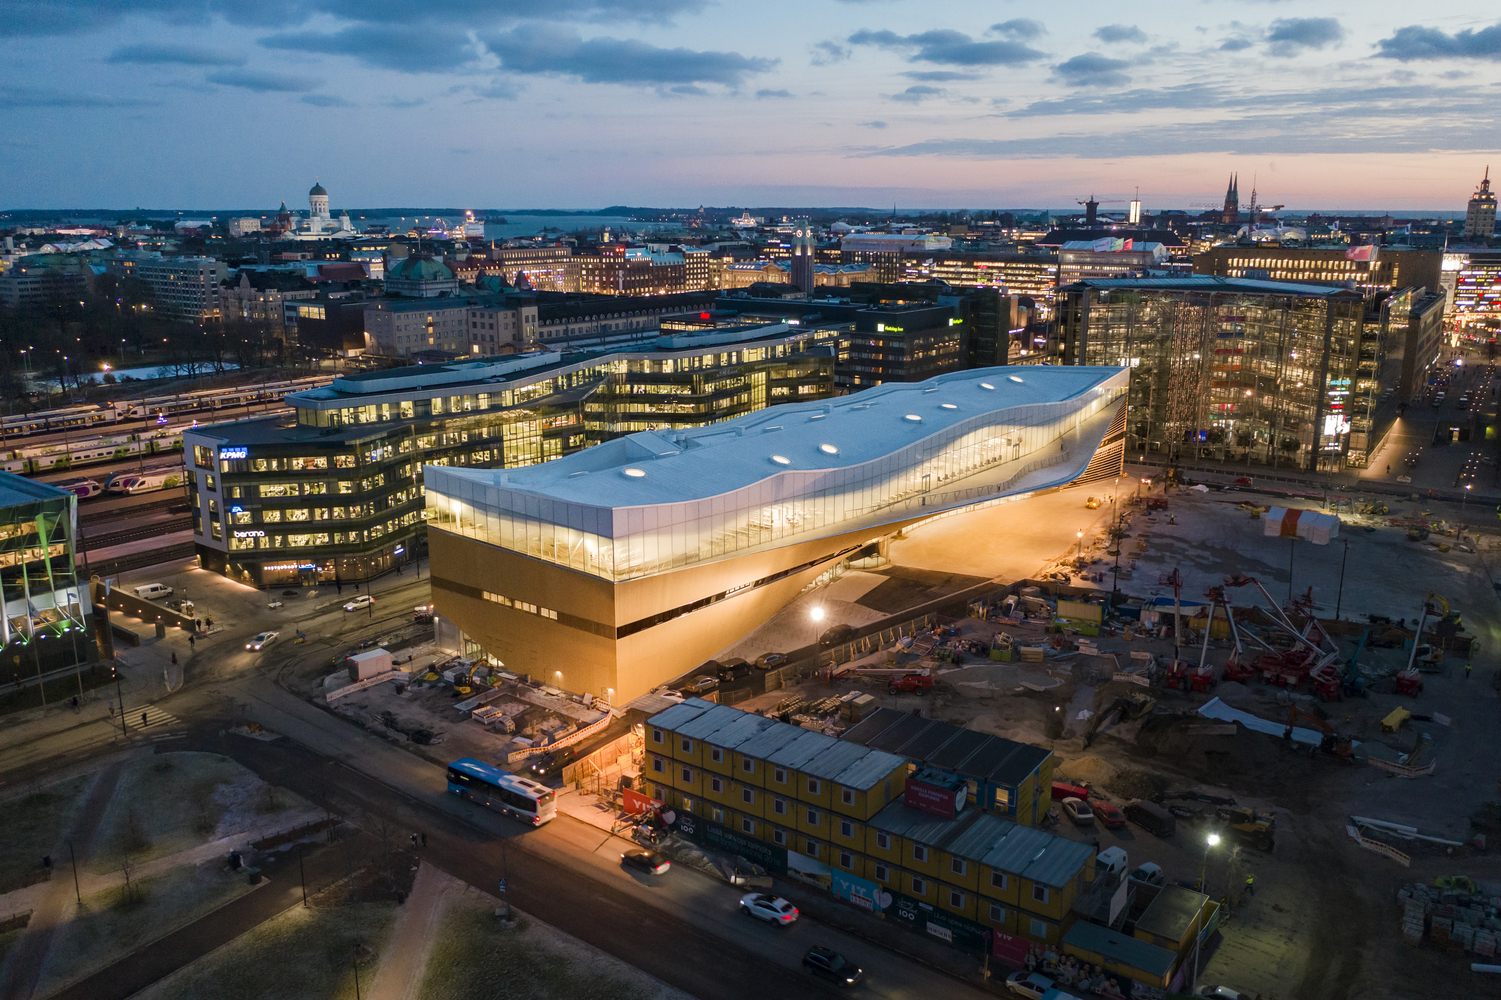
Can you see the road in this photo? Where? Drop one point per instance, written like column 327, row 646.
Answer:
column 683, row 927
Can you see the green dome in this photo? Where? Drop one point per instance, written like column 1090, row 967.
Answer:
column 317, row 190
column 419, row 269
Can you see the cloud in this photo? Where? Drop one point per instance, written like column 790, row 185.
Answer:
column 325, row 101
column 1415, row 42
column 431, row 50
column 939, row 75
column 1093, row 70
column 539, row 49
column 917, row 94
column 184, row 55
column 828, row 53
column 950, row 47
column 33, row 97
column 1020, row 27
column 1236, row 44
column 688, row 90
column 498, row 89
column 1121, row 33
column 264, row 82
column 761, row 95
column 873, row 124
column 1289, row 36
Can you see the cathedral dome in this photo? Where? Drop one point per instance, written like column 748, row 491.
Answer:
column 317, row 190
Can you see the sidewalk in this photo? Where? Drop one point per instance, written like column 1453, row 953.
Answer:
column 404, row 960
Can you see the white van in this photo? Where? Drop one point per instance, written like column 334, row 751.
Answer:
column 154, row 592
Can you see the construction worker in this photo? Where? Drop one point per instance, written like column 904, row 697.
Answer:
column 1468, row 667
column 1250, row 885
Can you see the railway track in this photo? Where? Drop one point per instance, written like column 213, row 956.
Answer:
column 101, row 509
column 92, row 543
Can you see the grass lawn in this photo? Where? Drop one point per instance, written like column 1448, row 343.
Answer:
column 34, row 825
column 302, row 953
column 473, row 958
column 109, row 926
column 176, row 801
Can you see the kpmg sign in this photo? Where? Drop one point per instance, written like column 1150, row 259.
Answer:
column 230, row 453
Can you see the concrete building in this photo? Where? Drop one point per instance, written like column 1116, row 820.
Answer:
column 620, row 270
column 618, row 568
column 185, row 288
column 260, row 297
column 1296, row 374
column 803, row 250
column 40, row 279
column 1371, row 269
column 1477, row 289
column 1030, row 274
column 1480, row 213
column 884, row 252
column 1082, row 260
column 854, row 819
column 419, row 277
column 900, row 342
column 337, row 493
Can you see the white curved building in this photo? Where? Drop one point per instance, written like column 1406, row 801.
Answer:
column 619, row 567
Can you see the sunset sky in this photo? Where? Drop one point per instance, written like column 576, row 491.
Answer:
column 588, row 103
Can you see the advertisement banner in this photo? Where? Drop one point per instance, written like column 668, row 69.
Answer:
column 933, row 799
column 637, row 804
column 720, row 837
column 925, row 918
column 1009, row 948
column 862, row 892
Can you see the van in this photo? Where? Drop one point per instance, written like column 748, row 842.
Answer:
column 1151, row 817
column 154, row 592
column 1110, row 861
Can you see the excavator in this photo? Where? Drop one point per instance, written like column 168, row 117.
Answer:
column 1129, row 706
column 1333, row 743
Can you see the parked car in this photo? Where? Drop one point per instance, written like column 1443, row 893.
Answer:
column 1063, row 790
column 648, row 861
column 834, row 636
column 669, row 694
column 363, row 601
column 916, row 683
column 154, row 592
column 1151, row 817
column 772, row 909
column 261, row 641
column 1028, row 984
column 1078, row 810
column 770, row 661
column 700, row 685
column 1150, row 873
column 1109, row 814
column 1110, row 861
column 831, row 965
column 733, row 669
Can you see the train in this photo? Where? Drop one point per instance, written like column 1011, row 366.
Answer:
column 56, row 458
column 159, row 407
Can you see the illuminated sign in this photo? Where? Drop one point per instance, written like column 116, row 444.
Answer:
column 250, row 534
column 228, row 453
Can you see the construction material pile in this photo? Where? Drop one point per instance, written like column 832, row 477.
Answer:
column 1461, row 916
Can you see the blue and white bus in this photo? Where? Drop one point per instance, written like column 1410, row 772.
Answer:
column 523, row 798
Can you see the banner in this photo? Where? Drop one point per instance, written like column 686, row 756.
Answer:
column 1367, row 252
column 637, row 804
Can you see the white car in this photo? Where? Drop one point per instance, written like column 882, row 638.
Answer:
column 1028, row 984
column 261, row 641
column 363, row 601
column 1150, row 873
column 1078, row 810
column 772, row 909
column 1222, row 993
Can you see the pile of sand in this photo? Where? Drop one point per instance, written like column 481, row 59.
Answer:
column 1131, row 783
column 1087, row 770
column 1237, row 695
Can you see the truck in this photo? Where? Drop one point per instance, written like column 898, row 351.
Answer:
column 915, row 683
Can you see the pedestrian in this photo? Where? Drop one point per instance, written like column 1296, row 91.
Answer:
column 424, row 839
column 174, row 659
column 1388, row 470
column 143, row 720
column 414, row 841
column 1250, row 885
column 1468, row 668
column 191, row 641
column 74, row 701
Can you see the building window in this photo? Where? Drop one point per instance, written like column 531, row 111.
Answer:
column 847, row 796
column 845, row 860
column 716, row 755
column 956, row 899
column 998, row 880
column 716, row 784
column 748, row 826
column 919, row 852
column 659, row 793
column 688, row 774
column 998, row 913
column 779, row 775
column 658, row 765
column 717, row 814
column 747, row 764
column 919, row 886
column 1039, row 929
column 846, row 828
column 779, row 806
column 812, row 817
column 779, row 836
column 747, row 796
column 810, row 848
column 687, row 804
column 657, row 736
column 883, row 874
column 687, row 745
column 958, row 865
column 883, row 841
column 1039, row 893
column 813, row 786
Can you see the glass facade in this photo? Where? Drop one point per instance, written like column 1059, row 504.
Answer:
column 42, row 594
column 625, row 543
column 1292, row 376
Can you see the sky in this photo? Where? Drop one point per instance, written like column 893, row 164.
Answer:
column 515, row 104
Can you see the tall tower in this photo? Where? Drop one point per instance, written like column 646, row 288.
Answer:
column 1480, row 216
column 1232, row 201
column 317, row 200
column 804, row 247
column 1091, row 213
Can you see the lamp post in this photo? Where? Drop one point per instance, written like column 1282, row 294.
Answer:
column 1212, row 840
column 816, row 616
column 1079, row 552
column 1465, row 501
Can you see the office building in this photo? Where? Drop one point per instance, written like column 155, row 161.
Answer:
column 545, row 268
column 900, row 342
column 1030, row 274
column 620, row 567
column 1108, row 257
column 183, row 288
column 419, row 277
column 42, row 279
column 1222, row 368
column 337, row 492
column 1480, row 213
column 1477, row 288
column 884, row 252
column 259, row 298
column 876, row 828
column 48, row 614
column 1370, row 269
column 619, row 270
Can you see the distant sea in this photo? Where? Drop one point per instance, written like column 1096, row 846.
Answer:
column 514, row 226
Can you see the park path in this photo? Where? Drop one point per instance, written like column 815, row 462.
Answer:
column 405, row 956
column 19, row 977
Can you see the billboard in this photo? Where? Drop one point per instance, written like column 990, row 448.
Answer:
column 933, row 798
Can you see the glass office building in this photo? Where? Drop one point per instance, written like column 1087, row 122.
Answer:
column 46, row 607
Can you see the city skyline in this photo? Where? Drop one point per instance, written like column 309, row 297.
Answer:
column 841, row 103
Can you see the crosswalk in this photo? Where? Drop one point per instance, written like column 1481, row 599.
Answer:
column 149, row 717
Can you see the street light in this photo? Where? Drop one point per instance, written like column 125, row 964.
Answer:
column 1080, row 536
column 1210, row 841
column 1464, row 502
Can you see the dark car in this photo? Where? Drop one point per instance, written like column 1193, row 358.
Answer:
column 647, row 861
column 831, row 965
column 733, row 669
column 551, row 765
column 770, row 661
column 836, row 635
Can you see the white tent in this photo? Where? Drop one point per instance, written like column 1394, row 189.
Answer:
column 1309, row 525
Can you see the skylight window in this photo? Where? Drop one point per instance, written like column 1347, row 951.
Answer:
column 781, row 459
column 634, row 473
column 949, row 406
column 987, row 385
column 913, row 417
column 828, row 449
column 1014, row 378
